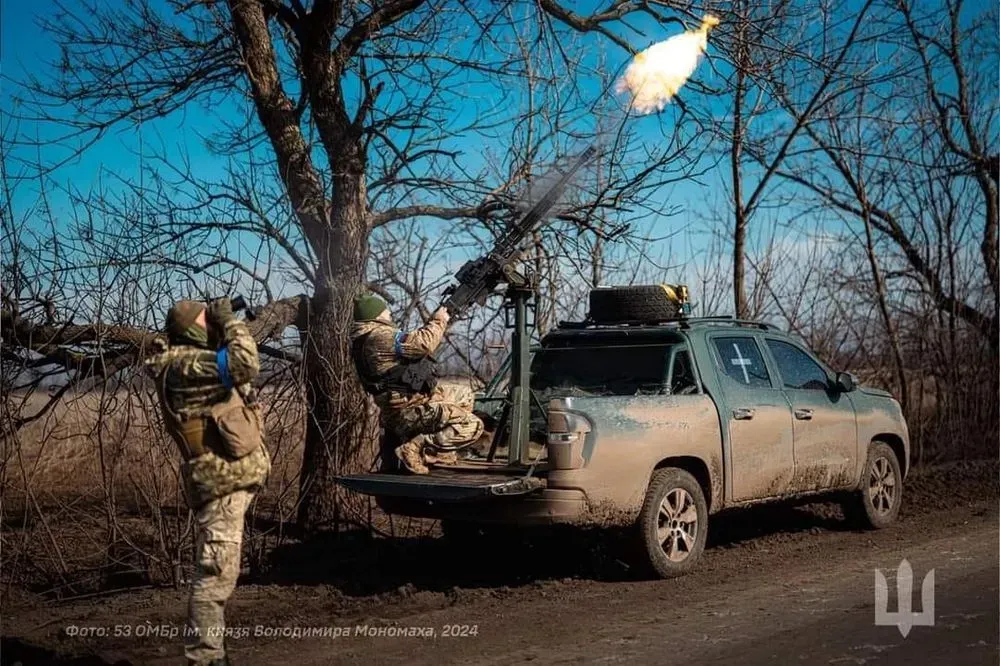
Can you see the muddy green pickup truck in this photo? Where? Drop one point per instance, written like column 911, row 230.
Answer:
column 657, row 426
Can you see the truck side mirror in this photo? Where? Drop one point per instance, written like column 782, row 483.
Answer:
column 845, row 382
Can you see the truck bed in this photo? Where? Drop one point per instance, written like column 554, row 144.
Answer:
column 467, row 483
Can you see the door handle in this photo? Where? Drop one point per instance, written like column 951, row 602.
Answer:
column 742, row 413
column 804, row 414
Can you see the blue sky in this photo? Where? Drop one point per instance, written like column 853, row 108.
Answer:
column 26, row 49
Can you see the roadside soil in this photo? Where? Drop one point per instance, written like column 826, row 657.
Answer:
column 777, row 584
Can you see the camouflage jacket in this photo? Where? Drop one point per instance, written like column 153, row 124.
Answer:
column 194, row 383
column 193, row 379
column 386, row 346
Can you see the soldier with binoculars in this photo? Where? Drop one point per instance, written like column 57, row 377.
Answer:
column 203, row 375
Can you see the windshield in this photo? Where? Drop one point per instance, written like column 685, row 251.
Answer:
column 604, row 370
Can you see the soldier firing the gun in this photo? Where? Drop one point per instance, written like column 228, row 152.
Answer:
column 432, row 422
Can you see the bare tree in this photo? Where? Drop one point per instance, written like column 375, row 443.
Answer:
column 893, row 156
column 772, row 51
column 903, row 155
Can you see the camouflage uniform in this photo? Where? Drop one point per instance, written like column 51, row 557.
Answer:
column 434, row 425
column 191, row 377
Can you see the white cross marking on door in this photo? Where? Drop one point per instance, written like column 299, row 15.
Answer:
column 742, row 362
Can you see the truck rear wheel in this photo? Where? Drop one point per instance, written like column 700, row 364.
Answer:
column 876, row 503
column 673, row 522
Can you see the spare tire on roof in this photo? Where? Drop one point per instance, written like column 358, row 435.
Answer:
column 655, row 302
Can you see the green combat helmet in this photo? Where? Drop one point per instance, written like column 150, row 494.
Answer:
column 367, row 307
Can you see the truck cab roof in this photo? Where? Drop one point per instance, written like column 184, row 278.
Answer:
column 570, row 333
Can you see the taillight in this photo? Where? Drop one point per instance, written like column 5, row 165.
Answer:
column 567, row 434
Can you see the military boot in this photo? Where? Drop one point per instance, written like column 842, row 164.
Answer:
column 411, row 456
column 433, row 457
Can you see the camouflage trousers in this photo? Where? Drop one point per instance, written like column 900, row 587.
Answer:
column 442, row 423
column 217, row 566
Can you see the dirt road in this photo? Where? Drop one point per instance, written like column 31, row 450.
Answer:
column 778, row 585
column 817, row 607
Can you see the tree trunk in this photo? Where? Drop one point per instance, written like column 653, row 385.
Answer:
column 740, row 212
column 341, row 434
column 739, row 266
column 883, row 307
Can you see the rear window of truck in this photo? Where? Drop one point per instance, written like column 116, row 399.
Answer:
column 600, row 370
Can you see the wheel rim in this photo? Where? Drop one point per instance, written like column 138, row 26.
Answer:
column 677, row 525
column 882, row 488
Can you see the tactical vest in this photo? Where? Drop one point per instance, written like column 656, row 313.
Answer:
column 194, row 436
column 407, row 376
column 232, row 428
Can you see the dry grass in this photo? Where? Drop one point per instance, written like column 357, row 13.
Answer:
column 92, row 498
column 92, row 445
column 91, row 494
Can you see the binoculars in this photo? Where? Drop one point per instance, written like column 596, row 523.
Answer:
column 238, row 303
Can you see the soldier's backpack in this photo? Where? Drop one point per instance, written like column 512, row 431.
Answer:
column 240, row 425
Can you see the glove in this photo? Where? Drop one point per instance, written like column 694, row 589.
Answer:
column 217, row 314
column 441, row 315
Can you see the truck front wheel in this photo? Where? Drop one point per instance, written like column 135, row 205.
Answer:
column 876, row 503
column 673, row 523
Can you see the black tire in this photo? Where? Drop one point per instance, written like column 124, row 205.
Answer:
column 876, row 503
column 638, row 303
column 663, row 548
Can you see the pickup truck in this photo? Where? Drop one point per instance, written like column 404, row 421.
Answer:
column 657, row 426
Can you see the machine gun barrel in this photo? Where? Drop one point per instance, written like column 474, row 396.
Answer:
column 478, row 278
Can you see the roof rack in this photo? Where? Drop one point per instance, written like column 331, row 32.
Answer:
column 730, row 319
column 681, row 322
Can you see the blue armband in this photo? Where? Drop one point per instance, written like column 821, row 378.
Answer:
column 397, row 343
column 222, row 361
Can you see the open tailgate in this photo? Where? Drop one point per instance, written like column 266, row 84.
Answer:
column 442, row 486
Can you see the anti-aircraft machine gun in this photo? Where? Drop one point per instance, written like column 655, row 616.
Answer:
column 458, row 492
column 480, row 278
